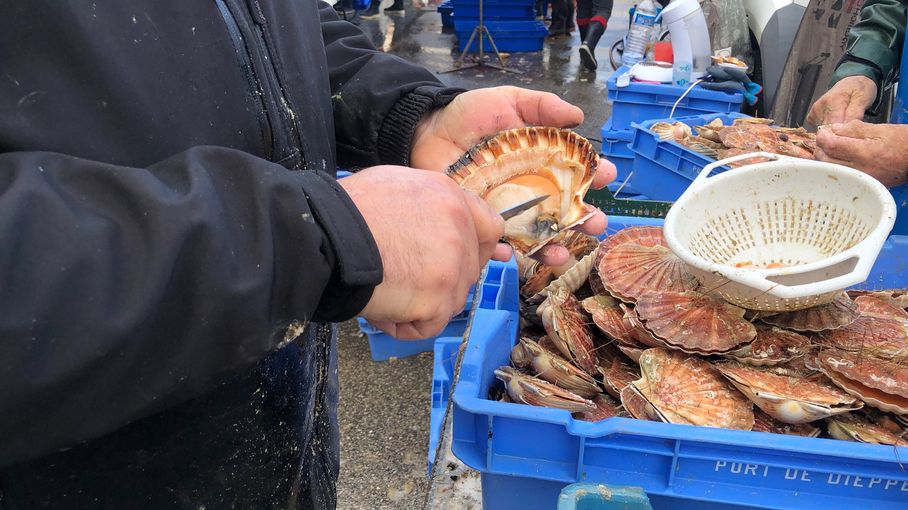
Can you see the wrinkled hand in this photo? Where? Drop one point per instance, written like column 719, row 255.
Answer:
column 434, row 239
column 846, row 100
column 880, row 150
column 444, row 136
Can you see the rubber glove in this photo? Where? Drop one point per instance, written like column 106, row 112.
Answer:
column 732, row 79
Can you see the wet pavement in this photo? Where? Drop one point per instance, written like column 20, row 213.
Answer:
column 384, row 409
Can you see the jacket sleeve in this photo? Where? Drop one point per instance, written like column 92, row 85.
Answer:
column 378, row 99
column 875, row 45
column 125, row 291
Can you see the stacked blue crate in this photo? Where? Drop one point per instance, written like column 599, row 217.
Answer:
column 512, row 24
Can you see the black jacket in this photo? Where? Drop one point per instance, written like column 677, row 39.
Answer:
column 169, row 225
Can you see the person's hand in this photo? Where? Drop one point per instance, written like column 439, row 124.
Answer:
column 847, row 100
column 880, row 150
column 443, row 137
column 434, row 239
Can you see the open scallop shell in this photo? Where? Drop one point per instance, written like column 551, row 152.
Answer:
column 668, row 131
column 606, row 407
column 567, row 328
column 839, row 313
column 637, row 406
column 872, row 336
column 524, row 163
column 789, row 399
column 577, row 271
column 533, row 391
column 766, row 423
column 688, row 390
column 629, row 270
column 882, row 384
column 550, row 367
column 609, row 318
column 694, row 322
column 772, row 346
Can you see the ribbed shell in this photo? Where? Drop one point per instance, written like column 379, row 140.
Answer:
column 640, row 334
column 617, row 374
column 871, row 336
column 694, row 322
column 857, row 428
column 688, row 390
column 637, row 406
column 609, row 318
column 567, row 327
column 524, row 163
column 629, row 270
column 643, row 236
column 606, row 408
column 533, row 391
column 882, row 384
column 837, row 314
column 772, row 347
column 572, row 279
column 553, row 368
column 874, row 305
column 789, row 399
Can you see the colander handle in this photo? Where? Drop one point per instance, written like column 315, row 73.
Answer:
column 704, row 174
column 857, row 275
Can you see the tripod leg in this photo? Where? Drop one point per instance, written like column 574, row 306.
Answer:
column 494, row 48
column 466, row 49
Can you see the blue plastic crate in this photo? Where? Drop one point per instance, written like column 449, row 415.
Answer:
column 446, row 10
column 640, row 102
column 664, row 169
column 470, row 12
column 527, row 455
column 594, row 496
column 495, row 286
column 509, row 36
column 616, row 148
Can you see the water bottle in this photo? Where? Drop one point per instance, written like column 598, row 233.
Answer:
column 641, row 33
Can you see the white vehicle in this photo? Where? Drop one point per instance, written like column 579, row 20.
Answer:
column 773, row 26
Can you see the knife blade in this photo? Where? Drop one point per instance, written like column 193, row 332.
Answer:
column 510, row 212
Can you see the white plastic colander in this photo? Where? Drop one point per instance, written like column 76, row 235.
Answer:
column 823, row 223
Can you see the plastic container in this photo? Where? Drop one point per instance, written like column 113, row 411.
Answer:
column 690, row 37
column 509, row 36
column 596, row 496
column 616, row 148
column 384, row 347
column 827, row 222
column 640, row 102
column 664, row 169
column 641, row 32
column 527, row 455
column 469, row 11
column 446, row 9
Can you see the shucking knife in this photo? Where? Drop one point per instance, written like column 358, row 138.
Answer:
column 510, row 212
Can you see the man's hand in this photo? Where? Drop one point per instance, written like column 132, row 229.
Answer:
column 847, row 100
column 880, row 150
column 444, row 136
column 434, row 239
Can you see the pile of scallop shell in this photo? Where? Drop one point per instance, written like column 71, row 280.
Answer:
column 624, row 329
column 744, row 136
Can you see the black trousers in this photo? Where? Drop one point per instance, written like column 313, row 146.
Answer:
column 594, row 10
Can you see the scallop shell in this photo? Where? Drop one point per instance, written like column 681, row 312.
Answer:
column 573, row 275
column 524, row 163
column 609, row 318
column 629, row 270
column 898, row 296
column 694, row 322
column 875, row 305
column 637, row 406
column 872, row 336
column 617, row 374
column 839, row 313
column 852, row 427
column 748, row 121
column 739, row 137
column 640, row 334
column 643, row 236
column 567, row 328
column 772, row 346
column 882, row 384
column 606, row 407
column 766, row 423
column 550, row 367
column 529, row 390
column 789, row 399
column 632, row 352
column 674, row 132
column 688, row 390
